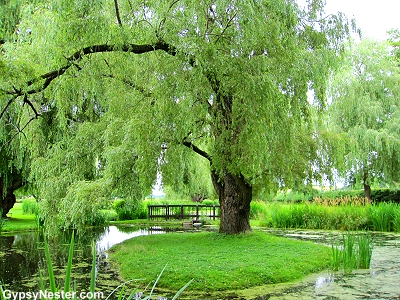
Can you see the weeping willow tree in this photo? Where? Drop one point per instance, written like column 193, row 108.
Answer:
column 365, row 106
column 110, row 93
column 14, row 160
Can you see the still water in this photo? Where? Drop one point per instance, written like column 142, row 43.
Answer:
column 381, row 281
column 22, row 256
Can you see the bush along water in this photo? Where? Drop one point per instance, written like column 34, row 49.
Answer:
column 30, row 206
column 342, row 213
column 353, row 251
column 384, row 216
column 130, row 210
column 70, row 288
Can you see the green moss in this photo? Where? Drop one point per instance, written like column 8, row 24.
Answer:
column 218, row 262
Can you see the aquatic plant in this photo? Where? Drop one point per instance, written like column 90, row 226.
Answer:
column 382, row 216
column 67, row 283
column 354, row 252
column 336, row 255
column 396, row 219
column 365, row 247
column 317, row 216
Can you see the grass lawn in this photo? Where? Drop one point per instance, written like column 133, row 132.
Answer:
column 218, row 262
column 18, row 221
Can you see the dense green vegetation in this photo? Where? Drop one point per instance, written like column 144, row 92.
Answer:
column 218, row 262
column 365, row 111
column 329, row 214
column 19, row 221
column 92, row 108
column 329, row 211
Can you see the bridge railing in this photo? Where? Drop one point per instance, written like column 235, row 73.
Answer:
column 182, row 212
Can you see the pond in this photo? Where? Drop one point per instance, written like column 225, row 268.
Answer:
column 22, row 255
column 381, row 281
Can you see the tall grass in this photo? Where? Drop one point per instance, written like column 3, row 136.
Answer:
column 383, row 216
column 317, row 216
column 396, row 219
column 353, row 252
column 345, row 213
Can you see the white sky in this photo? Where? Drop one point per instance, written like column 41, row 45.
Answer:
column 374, row 17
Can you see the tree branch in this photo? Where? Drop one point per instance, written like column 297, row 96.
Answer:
column 196, row 149
column 228, row 24
column 162, row 22
column 7, row 105
column 79, row 55
column 117, row 13
column 31, row 106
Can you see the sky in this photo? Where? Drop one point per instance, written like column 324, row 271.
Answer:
column 374, row 17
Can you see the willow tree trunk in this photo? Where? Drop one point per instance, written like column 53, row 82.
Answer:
column 367, row 187
column 7, row 197
column 234, row 195
column 367, row 191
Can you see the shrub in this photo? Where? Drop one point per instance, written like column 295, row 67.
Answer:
column 385, row 195
column 293, row 196
column 257, row 208
column 130, row 210
column 210, row 202
column 118, row 204
column 30, row 206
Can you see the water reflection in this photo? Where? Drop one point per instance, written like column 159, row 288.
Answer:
column 381, row 281
column 114, row 235
column 22, row 256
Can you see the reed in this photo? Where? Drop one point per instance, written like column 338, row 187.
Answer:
column 396, row 219
column 382, row 216
column 349, row 253
column 318, row 216
column 365, row 247
column 52, row 279
column 336, row 255
column 354, row 251
column 67, row 283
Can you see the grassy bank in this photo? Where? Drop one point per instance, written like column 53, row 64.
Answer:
column 218, row 262
column 18, row 221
